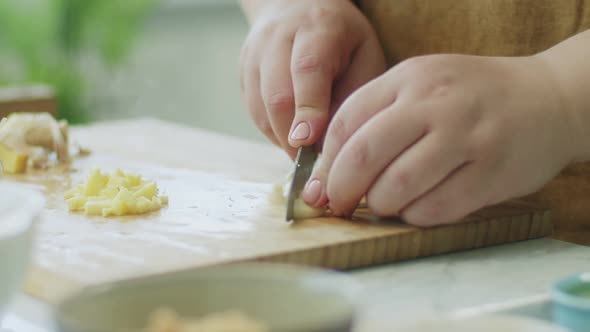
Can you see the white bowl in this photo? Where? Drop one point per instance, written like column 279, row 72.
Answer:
column 20, row 211
column 287, row 298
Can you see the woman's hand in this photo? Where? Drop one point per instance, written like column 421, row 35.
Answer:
column 300, row 61
column 438, row 137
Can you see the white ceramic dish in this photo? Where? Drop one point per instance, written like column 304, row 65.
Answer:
column 20, row 211
column 284, row 297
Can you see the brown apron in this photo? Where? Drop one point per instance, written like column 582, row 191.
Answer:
column 408, row 28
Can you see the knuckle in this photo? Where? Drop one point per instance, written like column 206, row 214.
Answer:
column 280, row 102
column 437, row 81
column 440, row 85
column 399, row 182
column 338, row 131
column 307, row 63
column 389, row 194
column 358, row 153
column 319, row 14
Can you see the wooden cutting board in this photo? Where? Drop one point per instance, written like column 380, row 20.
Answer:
column 220, row 212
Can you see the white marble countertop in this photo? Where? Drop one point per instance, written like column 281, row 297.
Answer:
column 421, row 287
column 454, row 282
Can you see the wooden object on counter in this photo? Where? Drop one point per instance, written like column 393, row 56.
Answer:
column 221, row 211
column 409, row 28
column 569, row 195
column 38, row 98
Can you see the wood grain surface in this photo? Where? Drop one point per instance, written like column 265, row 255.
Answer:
column 220, row 212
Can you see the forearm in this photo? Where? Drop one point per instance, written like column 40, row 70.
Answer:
column 570, row 66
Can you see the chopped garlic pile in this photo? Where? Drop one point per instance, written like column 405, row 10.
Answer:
column 10, row 161
column 115, row 195
column 167, row 320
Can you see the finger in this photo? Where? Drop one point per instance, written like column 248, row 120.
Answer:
column 368, row 152
column 462, row 193
column 314, row 65
column 277, row 91
column 255, row 104
column 366, row 64
column 357, row 109
column 415, row 172
column 244, row 58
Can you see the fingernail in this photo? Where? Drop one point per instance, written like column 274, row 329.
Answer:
column 312, row 192
column 301, row 132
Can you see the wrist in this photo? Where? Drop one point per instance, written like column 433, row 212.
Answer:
column 576, row 136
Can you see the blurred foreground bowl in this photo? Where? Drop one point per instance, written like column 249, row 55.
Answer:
column 286, row 298
column 20, row 211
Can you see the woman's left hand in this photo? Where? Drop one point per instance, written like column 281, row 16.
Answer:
column 438, row 137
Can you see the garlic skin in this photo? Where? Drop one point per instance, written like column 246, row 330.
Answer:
column 39, row 136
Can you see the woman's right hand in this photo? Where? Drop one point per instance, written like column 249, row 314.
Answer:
column 300, row 61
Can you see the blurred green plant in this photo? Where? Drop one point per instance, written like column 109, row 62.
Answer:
column 48, row 41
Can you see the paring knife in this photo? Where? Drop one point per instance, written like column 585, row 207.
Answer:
column 306, row 157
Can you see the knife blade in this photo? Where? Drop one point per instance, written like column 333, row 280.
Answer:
column 306, row 157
